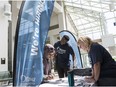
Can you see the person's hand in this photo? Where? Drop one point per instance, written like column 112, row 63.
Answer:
column 48, row 77
column 89, row 79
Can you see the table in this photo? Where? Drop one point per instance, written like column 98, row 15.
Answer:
column 79, row 81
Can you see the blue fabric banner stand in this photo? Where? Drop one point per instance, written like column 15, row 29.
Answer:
column 32, row 30
column 73, row 44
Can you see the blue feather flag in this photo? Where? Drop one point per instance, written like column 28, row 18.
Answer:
column 31, row 32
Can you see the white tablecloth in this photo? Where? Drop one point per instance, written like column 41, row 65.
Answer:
column 79, row 81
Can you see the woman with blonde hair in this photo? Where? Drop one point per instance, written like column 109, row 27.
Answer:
column 103, row 65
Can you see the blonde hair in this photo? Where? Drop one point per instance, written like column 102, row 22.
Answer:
column 85, row 40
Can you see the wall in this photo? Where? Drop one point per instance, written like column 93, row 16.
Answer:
column 3, row 38
column 57, row 18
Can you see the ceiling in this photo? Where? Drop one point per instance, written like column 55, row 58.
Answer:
column 90, row 17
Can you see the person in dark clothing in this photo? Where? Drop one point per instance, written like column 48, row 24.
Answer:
column 48, row 57
column 63, row 51
column 103, row 65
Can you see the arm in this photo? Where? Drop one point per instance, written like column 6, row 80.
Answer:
column 90, row 77
column 73, row 55
column 55, row 53
column 73, row 58
column 95, row 73
column 49, row 75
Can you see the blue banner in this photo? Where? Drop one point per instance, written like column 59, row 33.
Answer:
column 73, row 44
column 32, row 29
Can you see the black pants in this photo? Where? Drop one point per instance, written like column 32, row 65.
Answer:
column 62, row 72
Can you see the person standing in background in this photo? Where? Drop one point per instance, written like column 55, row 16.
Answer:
column 63, row 51
column 48, row 57
column 103, row 65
